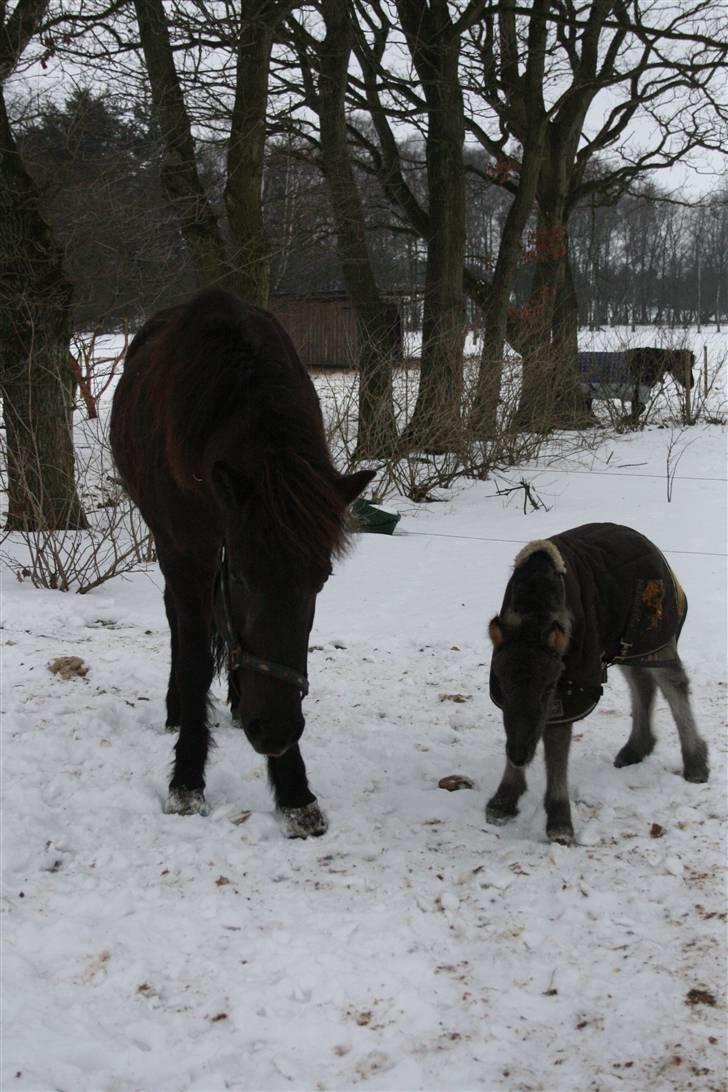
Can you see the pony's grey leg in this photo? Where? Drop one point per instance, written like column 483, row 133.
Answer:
column 642, row 688
column 673, row 682
column 504, row 804
column 556, row 743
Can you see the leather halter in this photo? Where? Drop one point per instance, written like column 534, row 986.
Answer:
column 237, row 655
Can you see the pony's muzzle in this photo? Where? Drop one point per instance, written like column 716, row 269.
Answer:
column 519, row 756
column 272, row 740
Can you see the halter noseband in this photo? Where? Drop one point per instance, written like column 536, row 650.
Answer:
column 237, row 656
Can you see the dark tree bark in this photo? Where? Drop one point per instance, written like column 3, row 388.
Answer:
column 35, row 328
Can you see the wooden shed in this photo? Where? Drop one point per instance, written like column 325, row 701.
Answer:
column 323, row 328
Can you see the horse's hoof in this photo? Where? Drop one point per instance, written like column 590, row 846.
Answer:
column 186, row 802
column 499, row 814
column 563, row 836
column 628, row 757
column 172, row 728
column 698, row 775
column 304, row 822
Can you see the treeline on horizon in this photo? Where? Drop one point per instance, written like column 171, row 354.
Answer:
column 650, row 257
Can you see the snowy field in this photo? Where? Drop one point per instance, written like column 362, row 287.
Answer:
column 413, row 947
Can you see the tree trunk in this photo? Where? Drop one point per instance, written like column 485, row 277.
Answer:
column 377, row 322
column 484, row 414
column 434, row 44
column 35, row 379
column 550, row 396
column 532, row 124
column 246, row 151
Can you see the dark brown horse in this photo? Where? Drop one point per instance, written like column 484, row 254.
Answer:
column 630, row 376
column 217, row 431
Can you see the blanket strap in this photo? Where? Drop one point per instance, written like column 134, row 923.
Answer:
column 627, row 640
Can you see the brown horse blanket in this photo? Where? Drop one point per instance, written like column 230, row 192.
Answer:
column 625, row 602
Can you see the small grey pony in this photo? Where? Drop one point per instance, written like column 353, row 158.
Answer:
column 576, row 603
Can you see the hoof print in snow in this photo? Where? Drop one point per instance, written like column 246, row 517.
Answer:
column 459, row 699
column 700, row 997
column 305, row 822
column 186, row 802
column 68, row 667
column 455, row 781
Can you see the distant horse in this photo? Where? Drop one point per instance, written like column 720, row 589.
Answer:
column 577, row 602
column 217, row 432
column 630, row 376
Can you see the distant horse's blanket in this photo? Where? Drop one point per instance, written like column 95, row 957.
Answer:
column 608, row 375
column 627, row 608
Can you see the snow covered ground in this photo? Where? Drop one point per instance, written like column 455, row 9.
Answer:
column 413, row 946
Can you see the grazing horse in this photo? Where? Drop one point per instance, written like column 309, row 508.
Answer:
column 630, row 376
column 217, row 432
column 577, row 602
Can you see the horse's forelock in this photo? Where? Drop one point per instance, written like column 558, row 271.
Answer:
column 541, row 546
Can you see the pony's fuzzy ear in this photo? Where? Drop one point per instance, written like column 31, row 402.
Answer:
column 557, row 639
column 495, row 632
column 349, row 486
column 230, row 489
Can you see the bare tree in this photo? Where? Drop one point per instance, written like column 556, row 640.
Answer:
column 429, row 95
column 35, row 326
column 665, row 63
column 325, row 66
column 248, row 37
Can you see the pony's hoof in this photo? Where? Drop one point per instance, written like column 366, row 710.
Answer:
column 628, row 757
column 172, row 728
column 186, row 802
column 698, row 775
column 305, row 822
column 563, row 836
column 498, row 813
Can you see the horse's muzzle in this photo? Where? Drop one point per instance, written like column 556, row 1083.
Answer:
column 271, row 740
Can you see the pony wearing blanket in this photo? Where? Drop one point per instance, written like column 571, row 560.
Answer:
column 576, row 603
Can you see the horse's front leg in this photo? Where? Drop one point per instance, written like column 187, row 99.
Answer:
column 504, row 804
column 557, row 741
column 294, row 800
column 194, row 669
column 194, row 675
column 173, row 703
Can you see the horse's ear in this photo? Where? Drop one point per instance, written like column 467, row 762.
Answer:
column 349, row 486
column 231, row 491
column 557, row 639
column 495, row 632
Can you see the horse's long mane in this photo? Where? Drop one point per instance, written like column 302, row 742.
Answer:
column 229, row 380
